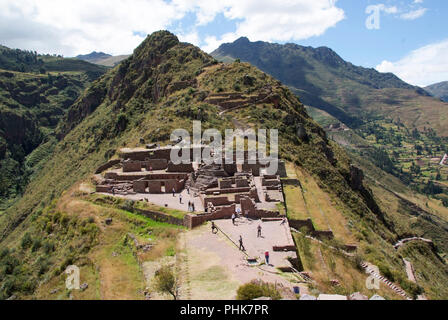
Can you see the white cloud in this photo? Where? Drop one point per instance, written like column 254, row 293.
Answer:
column 414, row 14
column 116, row 26
column 422, row 67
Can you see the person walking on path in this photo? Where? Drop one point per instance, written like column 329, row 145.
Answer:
column 241, row 244
column 214, row 228
column 193, row 209
column 189, row 206
column 233, row 219
column 188, row 190
column 180, row 199
column 174, row 192
column 266, row 256
column 259, row 231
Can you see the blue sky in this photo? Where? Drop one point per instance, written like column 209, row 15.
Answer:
column 396, row 37
column 410, row 38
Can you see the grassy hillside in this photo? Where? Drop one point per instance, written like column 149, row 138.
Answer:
column 161, row 87
column 31, row 105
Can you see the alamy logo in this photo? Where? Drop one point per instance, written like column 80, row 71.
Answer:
column 372, row 283
column 373, row 20
column 239, row 147
column 72, row 280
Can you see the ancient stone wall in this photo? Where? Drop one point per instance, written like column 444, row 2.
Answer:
column 111, row 176
column 308, row 224
column 253, row 168
column 140, row 186
column 225, row 212
column 155, row 186
column 148, row 176
column 231, row 169
column 242, row 183
column 266, row 182
column 231, row 190
column 217, row 201
column 188, row 168
column 103, row 188
column 161, row 217
column 107, row 165
column 155, row 164
column 177, row 185
column 282, row 169
column 225, row 183
column 132, row 166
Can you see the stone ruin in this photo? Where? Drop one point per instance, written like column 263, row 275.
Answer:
column 223, row 189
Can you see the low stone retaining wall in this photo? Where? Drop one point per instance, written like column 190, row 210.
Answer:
column 308, row 224
column 230, row 190
column 107, row 165
column 160, row 217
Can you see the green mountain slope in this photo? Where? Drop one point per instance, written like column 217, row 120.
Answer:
column 439, row 90
column 163, row 86
column 352, row 94
column 31, row 105
column 403, row 126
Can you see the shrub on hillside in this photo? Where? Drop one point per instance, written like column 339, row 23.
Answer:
column 254, row 290
column 26, row 241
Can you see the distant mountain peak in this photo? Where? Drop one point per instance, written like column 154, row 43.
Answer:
column 439, row 90
column 93, row 55
column 242, row 40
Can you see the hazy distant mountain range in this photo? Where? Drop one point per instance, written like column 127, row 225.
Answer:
column 102, row 58
column 439, row 90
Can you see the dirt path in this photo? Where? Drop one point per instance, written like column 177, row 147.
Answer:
column 409, row 271
column 217, row 268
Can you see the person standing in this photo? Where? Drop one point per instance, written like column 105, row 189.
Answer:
column 214, row 228
column 180, row 199
column 174, row 192
column 193, row 209
column 266, row 256
column 259, row 231
column 241, row 244
column 233, row 219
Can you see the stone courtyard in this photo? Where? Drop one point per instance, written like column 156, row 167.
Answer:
column 217, row 192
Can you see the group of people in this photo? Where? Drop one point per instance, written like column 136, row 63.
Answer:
column 242, row 248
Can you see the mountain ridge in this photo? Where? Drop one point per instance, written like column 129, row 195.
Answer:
column 439, row 90
column 102, row 59
column 324, row 80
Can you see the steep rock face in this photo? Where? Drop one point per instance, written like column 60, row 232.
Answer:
column 20, row 129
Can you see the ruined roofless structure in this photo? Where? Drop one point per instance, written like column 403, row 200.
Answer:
column 221, row 188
